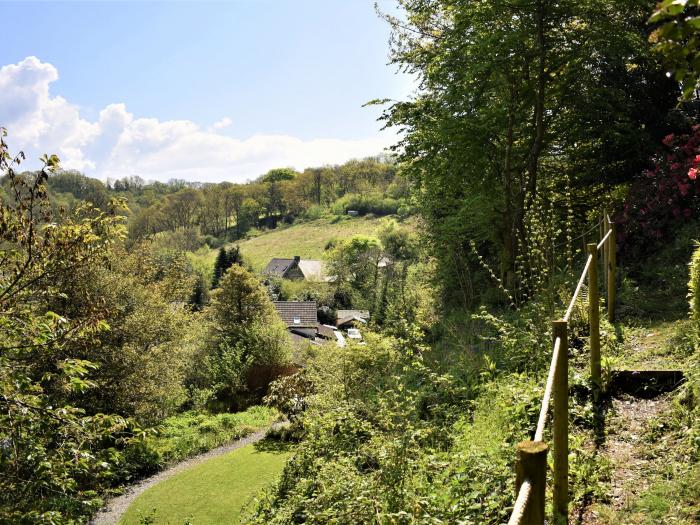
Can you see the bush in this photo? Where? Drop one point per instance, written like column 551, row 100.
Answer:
column 373, row 203
column 387, row 440
column 314, row 212
column 664, row 196
column 188, row 434
column 694, row 285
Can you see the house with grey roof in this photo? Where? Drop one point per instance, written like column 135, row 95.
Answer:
column 295, row 268
column 351, row 318
column 300, row 317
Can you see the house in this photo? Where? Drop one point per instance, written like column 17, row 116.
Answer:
column 351, row 318
column 296, row 269
column 331, row 334
column 327, row 332
column 299, row 316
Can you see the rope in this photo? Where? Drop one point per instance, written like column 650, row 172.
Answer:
column 602, row 241
column 596, row 225
column 578, row 288
column 544, row 409
column 520, row 503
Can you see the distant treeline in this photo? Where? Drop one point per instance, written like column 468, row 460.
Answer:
column 229, row 210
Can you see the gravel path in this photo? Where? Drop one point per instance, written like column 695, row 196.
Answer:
column 116, row 507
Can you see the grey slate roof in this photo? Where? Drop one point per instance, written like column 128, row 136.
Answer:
column 278, row 267
column 297, row 314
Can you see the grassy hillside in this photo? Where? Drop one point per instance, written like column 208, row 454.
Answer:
column 306, row 239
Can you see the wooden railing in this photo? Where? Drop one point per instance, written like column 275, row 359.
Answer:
column 531, row 456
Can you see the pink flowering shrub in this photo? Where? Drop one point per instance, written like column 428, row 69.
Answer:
column 664, row 196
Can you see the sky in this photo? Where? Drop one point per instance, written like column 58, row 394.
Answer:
column 202, row 91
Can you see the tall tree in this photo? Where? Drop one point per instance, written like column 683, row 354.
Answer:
column 51, row 452
column 519, row 101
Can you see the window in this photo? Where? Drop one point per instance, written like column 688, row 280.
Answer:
column 297, row 320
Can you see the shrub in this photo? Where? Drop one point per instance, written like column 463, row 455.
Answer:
column 314, row 212
column 187, row 434
column 664, row 196
column 373, row 203
column 694, row 285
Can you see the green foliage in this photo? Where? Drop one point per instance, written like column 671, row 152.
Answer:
column 355, row 262
column 522, row 122
column 387, row 439
column 154, row 336
column 54, row 454
column 374, row 203
column 244, row 332
column 289, row 394
column 224, row 260
column 190, row 433
column 694, row 285
column 677, row 38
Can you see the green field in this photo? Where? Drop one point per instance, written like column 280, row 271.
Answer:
column 306, row 239
column 213, row 492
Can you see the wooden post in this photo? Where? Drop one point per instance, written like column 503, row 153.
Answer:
column 604, row 231
column 560, row 426
column 594, row 318
column 531, row 464
column 612, row 273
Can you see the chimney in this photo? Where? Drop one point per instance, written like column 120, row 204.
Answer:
column 297, row 259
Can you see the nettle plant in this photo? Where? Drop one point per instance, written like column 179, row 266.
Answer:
column 665, row 195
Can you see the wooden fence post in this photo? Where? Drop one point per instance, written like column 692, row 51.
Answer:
column 612, row 273
column 594, row 318
column 560, row 430
column 531, row 465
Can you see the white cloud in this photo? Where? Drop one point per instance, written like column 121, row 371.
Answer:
column 223, row 123
column 119, row 144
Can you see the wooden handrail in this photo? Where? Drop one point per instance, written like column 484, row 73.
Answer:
column 546, row 398
column 530, row 479
column 567, row 315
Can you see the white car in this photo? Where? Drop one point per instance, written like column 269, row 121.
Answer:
column 354, row 333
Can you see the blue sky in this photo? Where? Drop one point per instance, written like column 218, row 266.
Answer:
column 295, row 68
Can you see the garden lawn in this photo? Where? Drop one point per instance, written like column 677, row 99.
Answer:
column 213, row 492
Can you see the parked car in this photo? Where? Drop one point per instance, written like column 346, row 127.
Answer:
column 354, row 333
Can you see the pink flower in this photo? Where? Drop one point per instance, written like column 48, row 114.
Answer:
column 684, row 189
column 693, row 173
column 697, row 159
column 668, row 140
column 677, row 165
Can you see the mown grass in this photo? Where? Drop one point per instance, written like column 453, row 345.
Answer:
column 213, row 492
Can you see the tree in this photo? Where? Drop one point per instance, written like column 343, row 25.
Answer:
column 520, row 105
column 142, row 360
column 224, row 260
column 53, row 453
column 273, row 181
column 677, row 38
column 354, row 262
column 245, row 332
